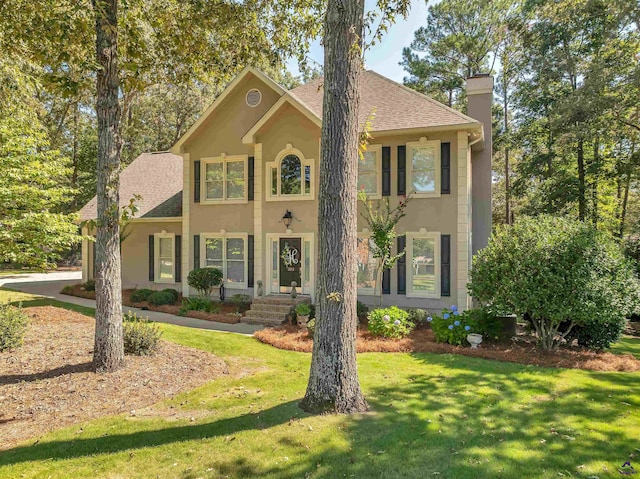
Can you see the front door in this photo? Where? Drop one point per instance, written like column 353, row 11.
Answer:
column 290, row 263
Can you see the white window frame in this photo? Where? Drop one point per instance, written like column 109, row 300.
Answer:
column 437, row 165
column 368, row 291
column 304, row 162
column 156, row 257
column 224, row 236
column 224, row 159
column 377, row 149
column 409, row 264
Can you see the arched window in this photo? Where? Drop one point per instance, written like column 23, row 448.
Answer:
column 290, row 175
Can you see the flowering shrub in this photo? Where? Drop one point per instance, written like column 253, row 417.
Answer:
column 452, row 326
column 390, row 322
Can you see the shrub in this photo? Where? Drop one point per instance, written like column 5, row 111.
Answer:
column 303, row 309
column 556, row 272
column 311, row 327
column 242, row 302
column 452, row 326
column 205, row 279
column 417, row 316
column 599, row 333
column 13, row 324
column 485, row 322
column 175, row 294
column 362, row 310
column 198, row 303
column 89, row 285
column 141, row 336
column 391, row 322
column 140, row 295
column 160, row 298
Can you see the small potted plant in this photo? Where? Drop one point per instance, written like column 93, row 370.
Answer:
column 303, row 310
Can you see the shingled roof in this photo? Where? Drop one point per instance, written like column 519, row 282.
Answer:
column 397, row 107
column 157, row 178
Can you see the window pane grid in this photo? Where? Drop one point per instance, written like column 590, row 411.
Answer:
column 423, row 169
column 225, row 180
column 423, row 265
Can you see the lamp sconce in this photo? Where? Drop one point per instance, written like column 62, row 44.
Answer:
column 287, row 218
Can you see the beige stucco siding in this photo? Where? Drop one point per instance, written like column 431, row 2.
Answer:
column 135, row 254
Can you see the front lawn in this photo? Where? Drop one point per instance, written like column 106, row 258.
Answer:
column 444, row 416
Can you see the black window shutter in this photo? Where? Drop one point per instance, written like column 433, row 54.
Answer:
column 196, row 251
column 445, row 168
column 386, row 171
column 178, row 262
column 386, row 281
column 251, row 175
column 402, row 170
column 445, row 265
column 152, row 258
column 196, row 181
column 250, row 261
column 402, row 265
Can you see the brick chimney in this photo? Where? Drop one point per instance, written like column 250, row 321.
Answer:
column 479, row 101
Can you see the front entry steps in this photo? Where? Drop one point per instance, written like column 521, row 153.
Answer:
column 272, row 310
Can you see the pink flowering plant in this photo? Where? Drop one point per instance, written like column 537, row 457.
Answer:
column 452, row 326
column 392, row 323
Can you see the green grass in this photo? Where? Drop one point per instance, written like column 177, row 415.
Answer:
column 457, row 416
column 28, row 300
column 627, row 345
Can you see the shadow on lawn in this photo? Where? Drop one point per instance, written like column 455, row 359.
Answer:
column 51, row 373
column 470, row 419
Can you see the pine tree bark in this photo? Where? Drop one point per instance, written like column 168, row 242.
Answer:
column 108, row 354
column 333, row 381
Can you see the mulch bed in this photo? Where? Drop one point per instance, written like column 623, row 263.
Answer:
column 422, row 340
column 225, row 315
column 48, row 382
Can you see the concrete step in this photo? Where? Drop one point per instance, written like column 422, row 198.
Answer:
column 281, row 300
column 265, row 314
column 272, row 308
column 262, row 321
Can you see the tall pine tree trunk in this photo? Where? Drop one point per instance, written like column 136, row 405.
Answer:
column 333, row 381
column 582, row 189
column 108, row 354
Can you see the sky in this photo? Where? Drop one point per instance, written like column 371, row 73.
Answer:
column 384, row 57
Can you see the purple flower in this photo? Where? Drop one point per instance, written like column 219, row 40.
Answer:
column 397, row 322
column 429, row 318
column 451, row 326
column 457, row 323
column 467, row 328
column 446, row 315
column 454, row 308
column 386, row 318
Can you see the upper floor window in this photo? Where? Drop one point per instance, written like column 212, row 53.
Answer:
column 424, row 167
column 225, row 179
column 369, row 172
column 290, row 176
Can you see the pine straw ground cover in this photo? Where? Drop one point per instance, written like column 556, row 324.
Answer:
column 48, row 383
column 422, row 340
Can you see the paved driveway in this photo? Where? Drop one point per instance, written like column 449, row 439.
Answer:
column 50, row 284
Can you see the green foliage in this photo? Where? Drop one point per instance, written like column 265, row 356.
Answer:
column 554, row 271
column 303, row 309
column 199, row 303
column 33, row 231
column 90, row 285
column 141, row 336
column 452, row 326
column 175, row 294
column 311, row 327
column 361, row 310
column 599, row 333
column 242, row 302
column 204, row 280
column 391, row 322
column 161, row 298
column 484, row 322
column 141, row 295
column 13, row 325
column 417, row 316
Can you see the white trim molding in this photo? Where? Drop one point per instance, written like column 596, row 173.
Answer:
column 377, row 151
column 276, row 165
column 224, row 160
column 435, row 236
column 463, row 239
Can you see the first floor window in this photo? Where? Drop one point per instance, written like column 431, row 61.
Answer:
column 228, row 253
column 165, row 257
column 423, row 263
column 367, row 266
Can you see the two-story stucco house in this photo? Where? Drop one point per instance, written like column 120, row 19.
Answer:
column 239, row 191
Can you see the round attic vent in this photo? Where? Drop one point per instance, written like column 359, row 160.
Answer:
column 254, row 97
